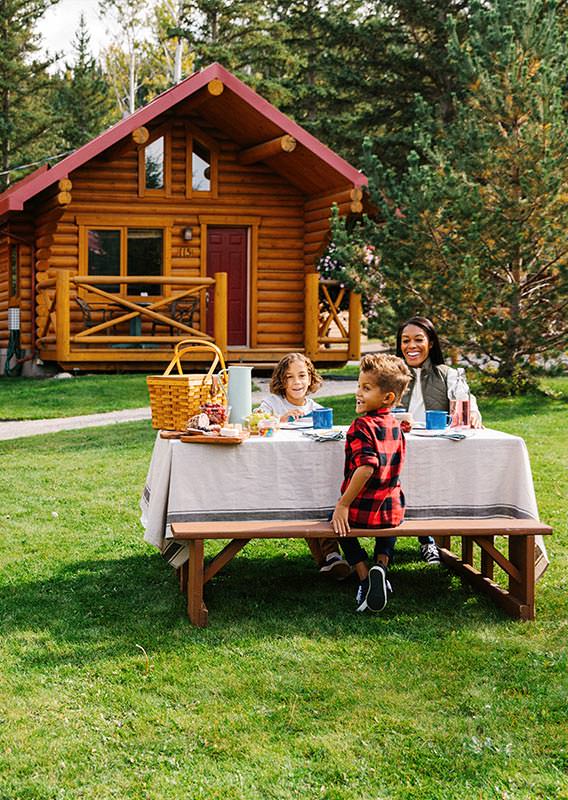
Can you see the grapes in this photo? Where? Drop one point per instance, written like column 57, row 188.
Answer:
column 253, row 420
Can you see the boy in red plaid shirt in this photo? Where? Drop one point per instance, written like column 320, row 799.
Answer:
column 371, row 495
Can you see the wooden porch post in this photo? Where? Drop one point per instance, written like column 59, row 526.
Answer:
column 311, row 315
column 220, row 312
column 354, row 326
column 63, row 313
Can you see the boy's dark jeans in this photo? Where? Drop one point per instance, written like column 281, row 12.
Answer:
column 354, row 552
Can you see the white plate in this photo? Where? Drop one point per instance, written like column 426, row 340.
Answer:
column 303, row 422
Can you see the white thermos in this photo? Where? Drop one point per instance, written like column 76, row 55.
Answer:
column 240, row 393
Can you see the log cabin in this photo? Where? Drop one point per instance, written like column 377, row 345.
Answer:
column 201, row 215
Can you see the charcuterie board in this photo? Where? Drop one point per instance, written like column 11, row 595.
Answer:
column 171, row 434
column 211, row 438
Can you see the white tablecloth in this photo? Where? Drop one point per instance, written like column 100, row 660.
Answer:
column 292, row 477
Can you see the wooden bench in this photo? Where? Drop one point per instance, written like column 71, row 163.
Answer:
column 517, row 600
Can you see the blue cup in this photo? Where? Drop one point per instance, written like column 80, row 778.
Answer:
column 323, row 417
column 437, row 420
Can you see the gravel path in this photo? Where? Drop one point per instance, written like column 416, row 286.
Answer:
column 19, row 429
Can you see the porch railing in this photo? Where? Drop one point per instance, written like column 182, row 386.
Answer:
column 332, row 318
column 55, row 296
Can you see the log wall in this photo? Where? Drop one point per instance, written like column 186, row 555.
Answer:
column 292, row 231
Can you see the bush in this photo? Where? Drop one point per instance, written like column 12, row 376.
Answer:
column 490, row 383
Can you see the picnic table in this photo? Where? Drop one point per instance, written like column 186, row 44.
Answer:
column 291, row 477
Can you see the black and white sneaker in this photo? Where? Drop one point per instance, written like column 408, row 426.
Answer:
column 373, row 592
column 430, row 553
column 336, row 566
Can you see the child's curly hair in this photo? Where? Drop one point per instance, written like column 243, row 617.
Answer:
column 278, row 379
column 390, row 372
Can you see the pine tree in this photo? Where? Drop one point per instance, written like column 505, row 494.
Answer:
column 25, row 120
column 83, row 103
column 473, row 233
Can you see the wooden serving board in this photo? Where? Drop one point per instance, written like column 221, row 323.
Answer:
column 209, row 439
column 171, row 434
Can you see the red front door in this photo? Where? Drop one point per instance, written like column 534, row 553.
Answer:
column 227, row 252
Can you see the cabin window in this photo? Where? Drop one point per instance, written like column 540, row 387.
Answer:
column 126, row 252
column 144, row 256
column 201, row 163
column 200, row 168
column 14, row 282
column 154, row 164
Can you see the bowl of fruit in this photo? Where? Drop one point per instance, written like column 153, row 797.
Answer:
column 261, row 422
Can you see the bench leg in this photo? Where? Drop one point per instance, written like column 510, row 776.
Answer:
column 518, row 601
column 196, row 608
column 522, row 556
column 487, row 563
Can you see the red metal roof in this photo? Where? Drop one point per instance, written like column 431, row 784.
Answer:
column 13, row 199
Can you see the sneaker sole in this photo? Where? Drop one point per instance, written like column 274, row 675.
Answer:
column 338, row 570
column 376, row 598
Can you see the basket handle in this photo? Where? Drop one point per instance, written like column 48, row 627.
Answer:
column 188, row 345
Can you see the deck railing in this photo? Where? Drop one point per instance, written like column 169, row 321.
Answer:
column 332, row 318
column 55, row 297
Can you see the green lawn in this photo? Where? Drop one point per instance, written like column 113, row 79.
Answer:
column 107, row 692
column 22, row 398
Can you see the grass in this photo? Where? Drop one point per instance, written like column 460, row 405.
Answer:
column 22, row 398
column 107, row 692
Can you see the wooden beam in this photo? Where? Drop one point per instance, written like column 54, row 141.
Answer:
column 282, row 144
column 65, row 185
column 215, row 87
column 140, row 135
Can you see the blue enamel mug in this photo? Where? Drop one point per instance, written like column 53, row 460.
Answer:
column 437, row 420
column 323, row 417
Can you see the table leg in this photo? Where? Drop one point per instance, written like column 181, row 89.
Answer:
column 196, row 608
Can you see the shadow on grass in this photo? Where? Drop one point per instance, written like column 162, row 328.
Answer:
column 97, row 609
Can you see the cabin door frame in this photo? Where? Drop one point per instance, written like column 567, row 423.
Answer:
column 252, row 224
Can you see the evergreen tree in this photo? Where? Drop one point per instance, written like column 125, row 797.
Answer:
column 473, row 233
column 25, row 119
column 83, row 103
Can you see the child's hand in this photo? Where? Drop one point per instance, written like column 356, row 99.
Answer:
column 405, row 426
column 292, row 415
column 340, row 520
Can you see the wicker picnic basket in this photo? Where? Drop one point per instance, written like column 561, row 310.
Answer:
column 176, row 398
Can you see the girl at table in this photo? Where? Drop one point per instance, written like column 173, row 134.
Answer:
column 418, row 344
column 293, row 380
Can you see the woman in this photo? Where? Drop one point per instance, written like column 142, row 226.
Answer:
column 417, row 343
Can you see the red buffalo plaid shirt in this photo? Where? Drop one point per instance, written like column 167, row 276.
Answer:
column 376, row 439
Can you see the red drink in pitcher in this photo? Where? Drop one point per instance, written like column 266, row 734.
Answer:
column 460, row 404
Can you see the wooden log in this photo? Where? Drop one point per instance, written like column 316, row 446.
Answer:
column 354, row 326
column 311, row 314
column 65, row 185
column 140, row 135
column 274, row 147
column 220, row 311
column 215, row 87
column 62, row 327
column 327, row 200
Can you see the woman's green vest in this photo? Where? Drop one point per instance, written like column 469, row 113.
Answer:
column 434, row 383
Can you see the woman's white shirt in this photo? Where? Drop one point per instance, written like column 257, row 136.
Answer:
column 277, row 405
column 416, row 405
